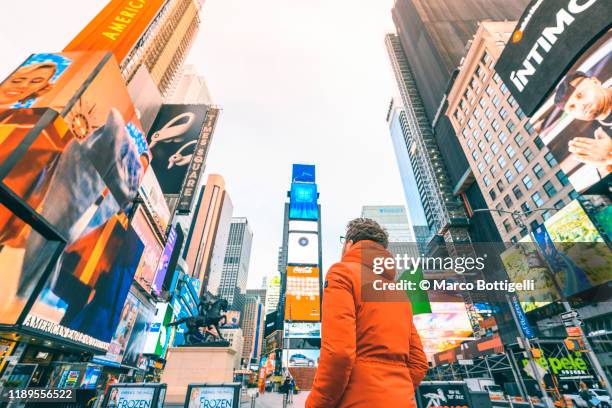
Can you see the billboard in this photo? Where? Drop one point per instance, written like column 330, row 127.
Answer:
column 147, row 267
column 548, row 38
column 118, row 343
column 303, row 248
column 213, row 395
column 117, row 28
column 173, row 140
column 135, row 345
column 303, row 330
column 302, row 294
column 164, row 262
column 523, row 262
column 303, row 173
column 154, row 200
column 301, row 358
column 232, row 320
column 159, row 335
column 447, row 326
column 197, row 162
column 303, row 202
column 303, row 226
column 126, row 396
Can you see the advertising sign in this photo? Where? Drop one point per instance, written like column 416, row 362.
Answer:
column 117, row 28
column 556, row 360
column 126, row 396
column 303, row 330
column 213, row 395
column 147, row 267
column 154, row 200
column 523, row 262
column 232, row 320
column 197, row 162
column 164, row 262
column 135, row 345
column 301, row 358
column 548, row 38
column 118, row 343
column 438, row 394
column 159, row 334
column 303, row 202
column 303, row 173
column 303, row 248
column 173, row 140
column 302, row 296
column 447, row 326
column 521, row 317
column 303, row 226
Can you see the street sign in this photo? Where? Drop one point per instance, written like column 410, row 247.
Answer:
column 572, row 323
column 572, row 314
column 574, row 331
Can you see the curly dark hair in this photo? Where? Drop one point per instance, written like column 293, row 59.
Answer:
column 361, row 229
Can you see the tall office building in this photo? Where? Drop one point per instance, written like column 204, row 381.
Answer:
column 236, row 262
column 273, row 286
column 189, row 87
column 509, row 161
column 206, row 242
column 252, row 322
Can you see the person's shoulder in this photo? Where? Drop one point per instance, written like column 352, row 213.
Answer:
column 347, row 272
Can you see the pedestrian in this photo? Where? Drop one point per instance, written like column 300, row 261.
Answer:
column 286, row 389
column 291, row 389
column 371, row 353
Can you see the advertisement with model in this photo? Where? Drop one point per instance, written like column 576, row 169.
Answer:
column 213, row 395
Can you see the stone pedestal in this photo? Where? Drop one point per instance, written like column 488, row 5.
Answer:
column 190, row 365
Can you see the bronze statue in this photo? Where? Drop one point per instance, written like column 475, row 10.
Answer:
column 210, row 315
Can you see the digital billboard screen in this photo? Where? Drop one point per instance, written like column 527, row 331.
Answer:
column 303, row 173
column 303, row 202
column 303, row 248
column 301, row 358
column 173, row 139
column 136, row 343
column 302, row 330
column 549, row 37
column 303, row 226
column 154, row 200
column 147, row 267
column 446, row 327
column 164, row 262
column 302, row 294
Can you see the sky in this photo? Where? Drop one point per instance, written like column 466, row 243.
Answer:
column 298, row 82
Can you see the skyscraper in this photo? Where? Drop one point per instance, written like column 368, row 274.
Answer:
column 394, row 219
column 189, row 87
column 253, row 323
column 207, row 233
column 236, row 262
column 272, row 293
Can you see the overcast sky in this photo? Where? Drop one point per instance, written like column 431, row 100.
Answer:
column 305, row 82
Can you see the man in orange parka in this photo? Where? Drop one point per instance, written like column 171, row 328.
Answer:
column 371, row 353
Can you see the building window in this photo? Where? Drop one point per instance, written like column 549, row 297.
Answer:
column 550, row 159
column 527, row 182
column 488, row 113
column 496, row 101
column 538, row 142
column 475, row 133
column 528, row 154
column 500, row 185
column 520, row 113
column 488, row 135
column 503, row 137
column 494, row 148
column 470, row 143
column 503, row 113
column 550, row 189
column 501, row 160
column 538, row 171
column 474, row 83
column 487, row 158
column 492, row 194
column 525, row 207
column 480, row 167
column 546, row 215
column 509, row 177
column 489, row 90
column 518, row 165
column 486, row 180
column 482, row 102
column 511, row 100
column 475, row 155
column 573, row 194
column 529, row 128
column 482, row 124
column 562, row 177
column 510, row 151
column 524, row 232
column 513, row 240
column 464, row 132
column 503, row 88
column 517, row 192
column 537, row 199
column 486, row 58
column 481, row 145
column 495, row 125
column 519, row 139
column 496, row 78
column 510, row 125
column 476, row 113
column 471, row 124
column 559, row 204
column 534, row 224
column 507, row 225
column 493, row 170
column 479, row 71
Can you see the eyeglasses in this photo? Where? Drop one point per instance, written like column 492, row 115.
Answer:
column 342, row 240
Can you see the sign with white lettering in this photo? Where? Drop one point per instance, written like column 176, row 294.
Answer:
column 549, row 37
column 213, row 396
column 132, row 397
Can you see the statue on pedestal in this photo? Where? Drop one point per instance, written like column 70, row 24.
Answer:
column 210, row 316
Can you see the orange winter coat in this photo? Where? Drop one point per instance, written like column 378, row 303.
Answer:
column 371, row 353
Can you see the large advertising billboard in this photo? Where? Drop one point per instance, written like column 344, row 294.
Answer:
column 303, row 226
column 302, row 295
column 154, row 200
column 147, row 267
column 164, row 262
column 132, row 357
column 173, row 140
column 80, row 170
column 213, row 395
column 118, row 343
column 302, row 330
column 117, row 28
column 546, row 42
column 126, row 396
column 159, row 335
column 446, row 327
column 301, row 358
column 303, row 173
column 303, row 248
column 303, row 202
